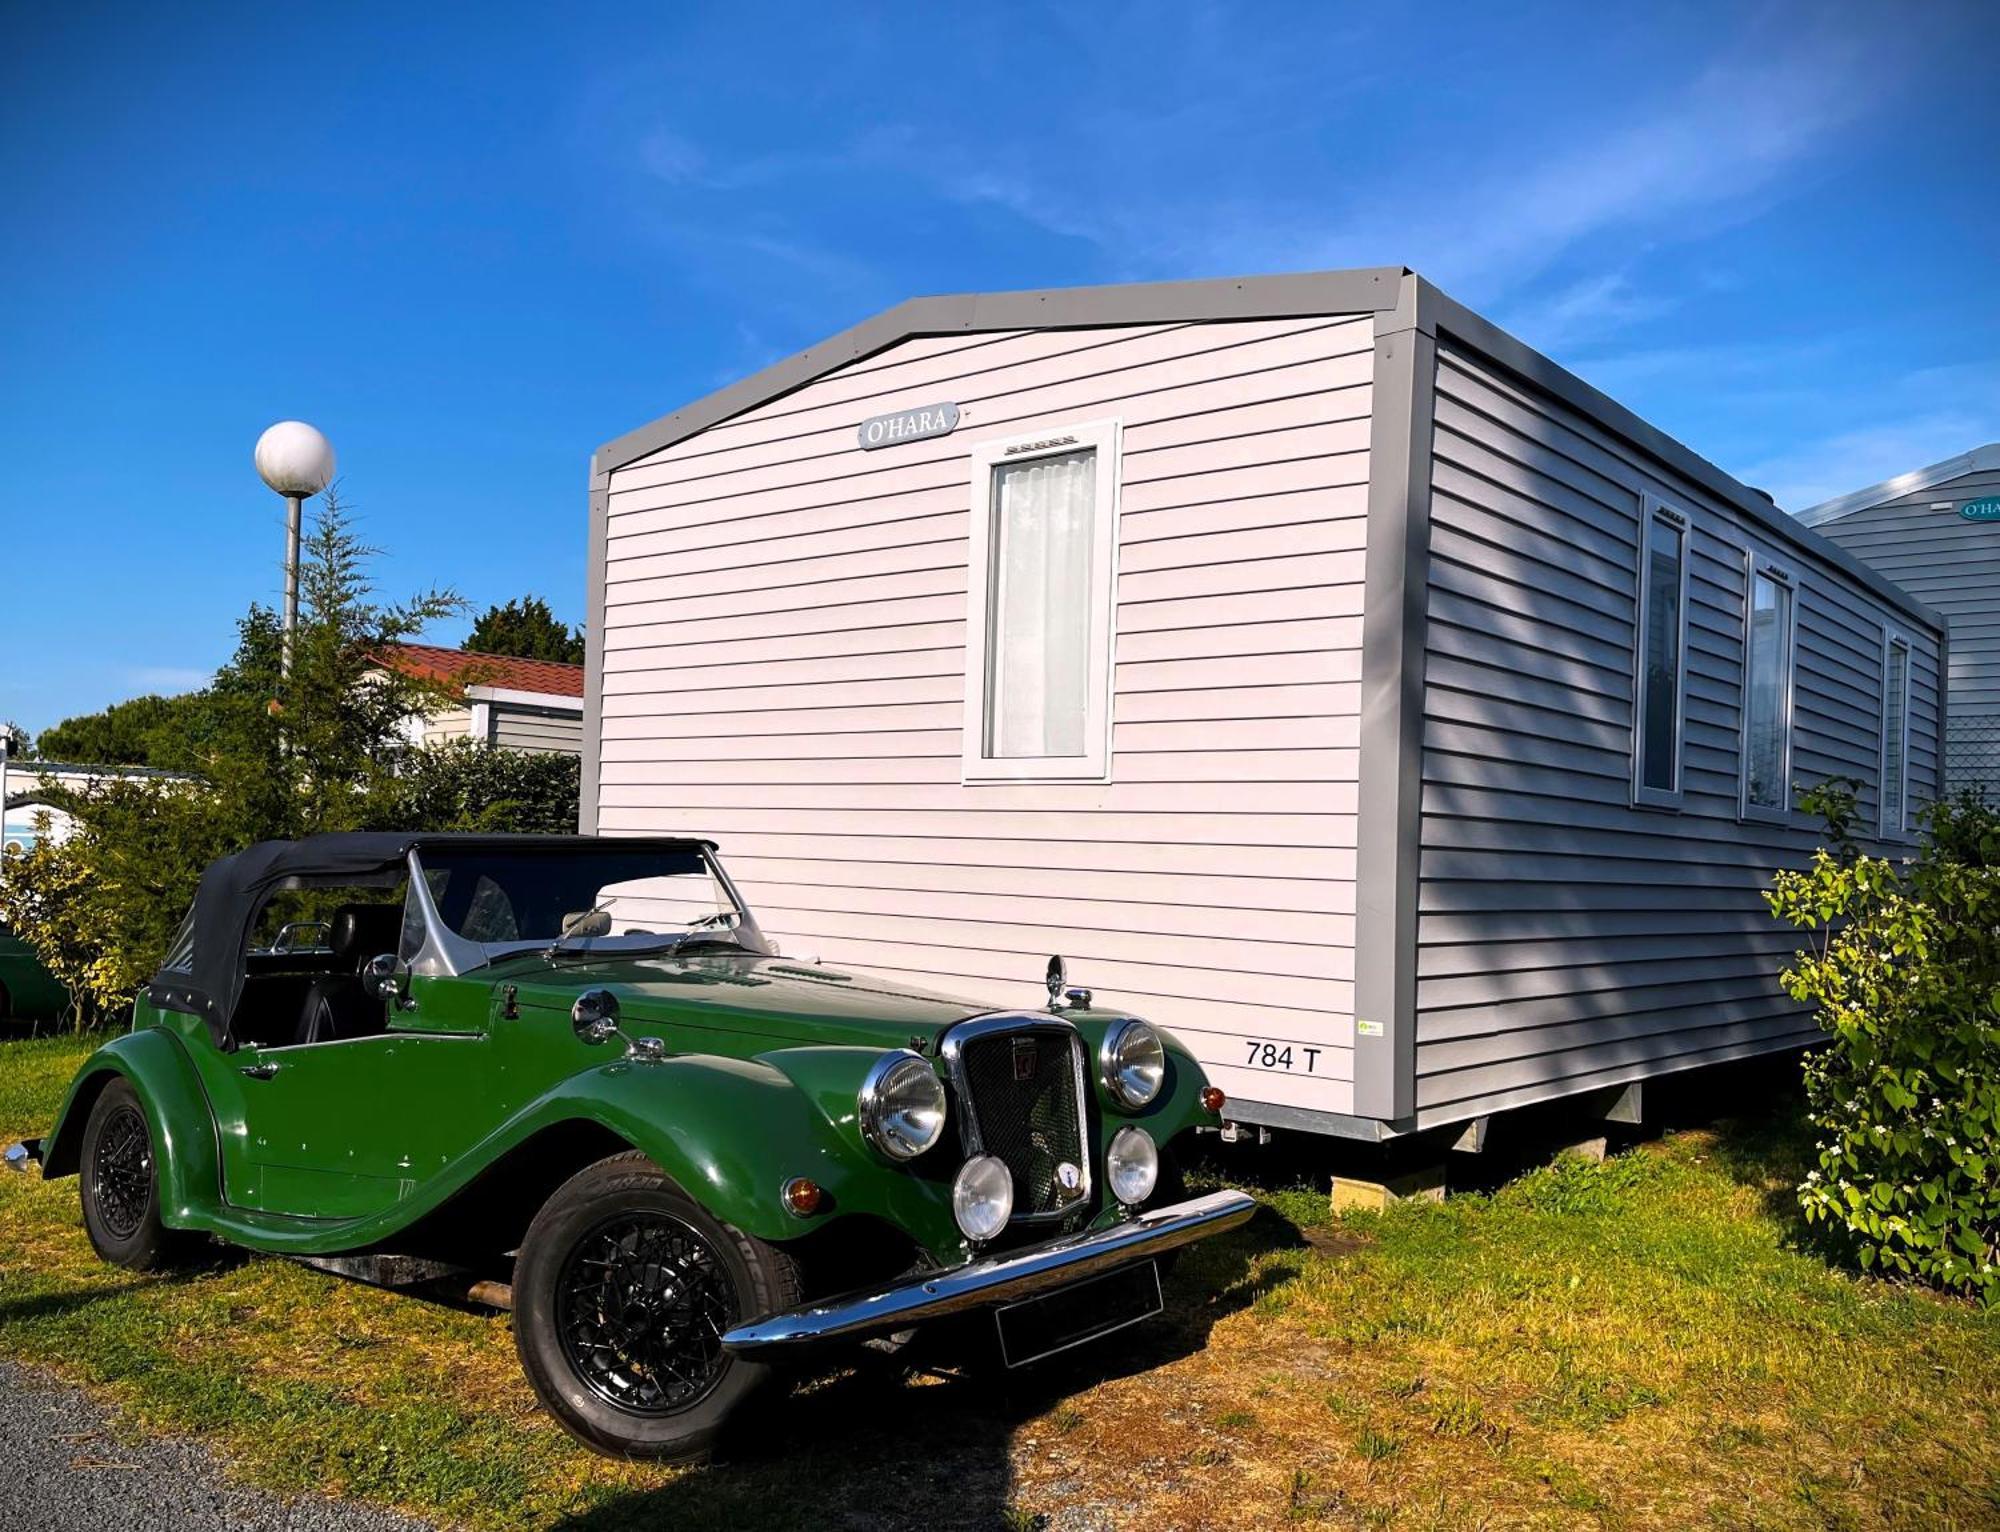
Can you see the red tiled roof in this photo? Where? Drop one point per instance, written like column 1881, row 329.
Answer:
column 463, row 667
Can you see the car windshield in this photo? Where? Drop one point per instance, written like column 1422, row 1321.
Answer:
column 604, row 898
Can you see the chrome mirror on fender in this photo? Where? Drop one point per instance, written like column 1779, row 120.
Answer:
column 595, row 1019
column 595, row 1016
column 1061, row 997
column 384, row 977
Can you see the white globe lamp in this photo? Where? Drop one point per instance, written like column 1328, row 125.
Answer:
column 295, row 460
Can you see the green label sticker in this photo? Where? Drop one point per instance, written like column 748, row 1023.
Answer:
column 1368, row 1028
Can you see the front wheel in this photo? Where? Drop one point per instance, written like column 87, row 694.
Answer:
column 622, row 1293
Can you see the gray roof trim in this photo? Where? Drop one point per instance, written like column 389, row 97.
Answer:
column 594, row 597
column 1482, row 335
column 1366, row 290
column 1984, row 459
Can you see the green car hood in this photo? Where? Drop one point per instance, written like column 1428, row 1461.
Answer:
column 776, row 998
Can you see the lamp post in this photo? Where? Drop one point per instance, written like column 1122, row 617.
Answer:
column 297, row 461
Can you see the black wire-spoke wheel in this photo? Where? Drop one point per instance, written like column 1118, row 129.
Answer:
column 121, row 1185
column 121, row 1170
column 641, row 1305
column 623, row 1290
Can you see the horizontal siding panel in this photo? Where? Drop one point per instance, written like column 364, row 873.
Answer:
column 1102, row 897
column 970, row 823
column 1465, row 1093
column 1335, row 864
column 1086, row 936
column 1299, row 635
column 1128, row 982
column 647, row 762
column 996, row 800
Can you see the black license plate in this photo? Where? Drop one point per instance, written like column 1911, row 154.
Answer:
column 1039, row 1327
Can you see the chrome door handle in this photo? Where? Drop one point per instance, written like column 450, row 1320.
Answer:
column 260, row 1071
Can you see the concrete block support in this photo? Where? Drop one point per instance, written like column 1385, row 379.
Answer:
column 1423, row 1184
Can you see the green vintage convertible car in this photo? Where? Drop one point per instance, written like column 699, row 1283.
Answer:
column 572, row 1069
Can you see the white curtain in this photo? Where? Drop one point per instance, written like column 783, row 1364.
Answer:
column 1038, row 606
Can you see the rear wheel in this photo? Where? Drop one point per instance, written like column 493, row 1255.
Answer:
column 121, row 1185
column 622, row 1293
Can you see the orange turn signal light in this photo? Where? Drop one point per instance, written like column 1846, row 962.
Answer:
column 803, row 1197
column 1212, row 1099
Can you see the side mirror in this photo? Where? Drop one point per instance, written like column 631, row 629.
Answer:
column 595, row 1016
column 382, row 977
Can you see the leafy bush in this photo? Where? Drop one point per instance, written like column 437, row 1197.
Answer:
column 1906, row 980
column 100, row 907
column 464, row 786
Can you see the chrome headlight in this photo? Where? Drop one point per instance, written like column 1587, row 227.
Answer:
column 1132, row 1063
column 901, row 1105
column 982, row 1198
column 1132, row 1165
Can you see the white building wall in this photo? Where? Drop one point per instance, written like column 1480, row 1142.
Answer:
column 784, row 632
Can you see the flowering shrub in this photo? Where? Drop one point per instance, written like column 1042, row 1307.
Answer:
column 1906, row 979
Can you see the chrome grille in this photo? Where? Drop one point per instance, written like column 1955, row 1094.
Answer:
column 1021, row 1080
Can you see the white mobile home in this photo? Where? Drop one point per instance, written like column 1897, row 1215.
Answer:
column 1936, row 533
column 1325, row 674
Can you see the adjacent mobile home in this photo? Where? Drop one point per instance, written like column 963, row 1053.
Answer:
column 1936, row 533
column 1322, row 672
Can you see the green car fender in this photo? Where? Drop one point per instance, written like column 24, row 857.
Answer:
column 177, row 1112
column 732, row 1132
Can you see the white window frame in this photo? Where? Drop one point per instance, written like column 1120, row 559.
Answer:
column 1654, row 509
column 1755, row 565
column 1892, row 640
column 1103, row 437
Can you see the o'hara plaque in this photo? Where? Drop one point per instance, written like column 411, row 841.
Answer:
column 908, row 426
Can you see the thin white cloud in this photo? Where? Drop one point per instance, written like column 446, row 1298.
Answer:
column 1922, row 418
column 1704, row 151
column 1585, row 310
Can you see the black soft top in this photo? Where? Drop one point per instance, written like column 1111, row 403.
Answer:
column 235, row 888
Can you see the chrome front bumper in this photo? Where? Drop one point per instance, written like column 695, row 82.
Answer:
column 993, row 1279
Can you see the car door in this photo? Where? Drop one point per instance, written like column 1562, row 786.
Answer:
column 349, row 1128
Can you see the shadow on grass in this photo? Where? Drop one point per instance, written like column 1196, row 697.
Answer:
column 891, row 1446
column 15, row 1311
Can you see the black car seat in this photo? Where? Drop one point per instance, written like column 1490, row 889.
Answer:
column 338, row 1006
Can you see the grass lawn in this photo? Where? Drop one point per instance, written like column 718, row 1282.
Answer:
column 1635, row 1344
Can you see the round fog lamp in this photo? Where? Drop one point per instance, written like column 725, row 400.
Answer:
column 982, row 1198
column 1132, row 1164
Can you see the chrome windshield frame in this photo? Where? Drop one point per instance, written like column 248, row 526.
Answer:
column 444, row 953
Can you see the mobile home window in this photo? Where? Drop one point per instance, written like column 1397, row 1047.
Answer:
column 1896, row 736
column 1656, row 775
column 1038, row 640
column 1767, row 692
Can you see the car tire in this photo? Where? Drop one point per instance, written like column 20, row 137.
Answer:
column 120, row 1178
column 622, row 1289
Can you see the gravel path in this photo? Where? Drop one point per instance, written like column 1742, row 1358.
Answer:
column 63, row 1468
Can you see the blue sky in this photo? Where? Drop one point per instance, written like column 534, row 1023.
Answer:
column 472, row 243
